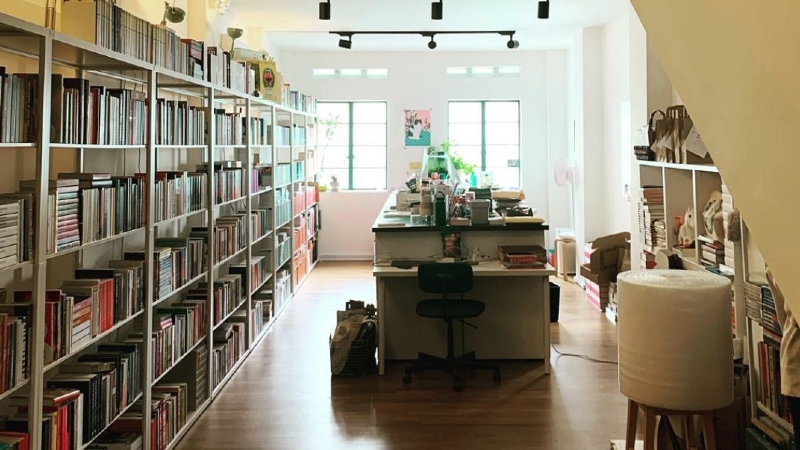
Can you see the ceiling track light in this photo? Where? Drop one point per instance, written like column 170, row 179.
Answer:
column 437, row 10
column 347, row 43
column 325, row 10
column 544, row 9
column 512, row 44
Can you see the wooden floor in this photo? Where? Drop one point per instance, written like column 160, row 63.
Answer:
column 284, row 398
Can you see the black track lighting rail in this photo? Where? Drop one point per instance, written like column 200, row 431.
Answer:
column 346, row 37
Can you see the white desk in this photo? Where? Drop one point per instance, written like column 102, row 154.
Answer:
column 514, row 289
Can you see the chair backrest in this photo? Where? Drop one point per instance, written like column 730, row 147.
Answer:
column 445, row 278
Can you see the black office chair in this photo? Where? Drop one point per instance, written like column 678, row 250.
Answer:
column 447, row 279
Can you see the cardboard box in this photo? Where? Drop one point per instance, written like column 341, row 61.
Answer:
column 609, row 256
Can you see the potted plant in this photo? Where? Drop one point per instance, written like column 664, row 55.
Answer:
column 464, row 168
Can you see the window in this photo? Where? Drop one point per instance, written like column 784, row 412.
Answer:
column 484, row 71
column 349, row 74
column 486, row 133
column 352, row 142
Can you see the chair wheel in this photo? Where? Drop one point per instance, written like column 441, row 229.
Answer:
column 496, row 376
column 407, row 378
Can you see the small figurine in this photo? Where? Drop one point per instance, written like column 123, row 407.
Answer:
column 475, row 257
column 334, row 183
column 686, row 232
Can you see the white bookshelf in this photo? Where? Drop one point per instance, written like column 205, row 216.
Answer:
column 51, row 52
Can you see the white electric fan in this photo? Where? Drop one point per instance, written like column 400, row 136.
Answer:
column 564, row 175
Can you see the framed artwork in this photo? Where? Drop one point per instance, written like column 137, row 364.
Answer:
column 417, row 130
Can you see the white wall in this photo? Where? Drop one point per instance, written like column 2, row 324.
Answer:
column 617, row 150
column 418, row 80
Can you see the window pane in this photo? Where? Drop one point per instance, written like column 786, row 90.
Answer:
column 324, row 73
column 482, row 70
column 369, row 157
column 499, row 155
column 343, row 175
column 377, row 73
column 464, row 112
column 465, row 134
column 338, row 112
column 505, row 177
column 335, row 134
column 502, row 112
column 351, row 73
column 461, row 71
column 336, row 156
column 369, row 113
column 508, row 70
column 502, row 133
column 369, row 178
column 369, row 134
column 469, row 153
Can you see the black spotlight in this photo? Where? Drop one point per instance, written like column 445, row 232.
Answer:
column 432, row 44
column 325, row 10
column 512, row 43
column 437, row 10
column 544, row 9
column 346, row 43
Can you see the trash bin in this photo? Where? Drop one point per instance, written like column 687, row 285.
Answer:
column 555, row 297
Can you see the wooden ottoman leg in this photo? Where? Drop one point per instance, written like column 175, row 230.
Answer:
column 633, row 417
column 708, row 431
column 649, row 428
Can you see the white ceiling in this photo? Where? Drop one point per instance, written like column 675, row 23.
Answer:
column 294, row 24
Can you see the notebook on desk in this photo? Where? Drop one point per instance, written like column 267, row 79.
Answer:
column 409, row 263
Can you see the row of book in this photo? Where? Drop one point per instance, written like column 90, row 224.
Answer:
column 769, row 313
column 15, row 342
column 283, row 207
column 770, row 377
column 295, row 135
column 177, row 123
column 297, row 100
column 229, row 128
column 18, row 109
column 260, row 222
column 283, row 248
column 228, row 180
column 230, row 234
column 227, row 295
column 712, row 254
column 257, row 273
column 176, row 329
column 176, row 261
column 168, row 412
column 752, row 300
column 177, row 193
column 229, row 346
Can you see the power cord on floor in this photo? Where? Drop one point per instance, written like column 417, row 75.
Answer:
column 586, row 357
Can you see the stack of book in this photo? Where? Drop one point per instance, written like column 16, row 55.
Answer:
column 197, row 55
column 727, row 209
column 229, row 128
column 26, row 229
column 769, row 314
column 713, row 254
column 12, row 232
column 229, row 180
column 652, row 224
column 63, row 207
column 752, row 300
column 229, row 346
column 177, row 123
column 18, row 106
column 177, row 193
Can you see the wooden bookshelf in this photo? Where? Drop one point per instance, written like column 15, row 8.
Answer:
column 57, row 53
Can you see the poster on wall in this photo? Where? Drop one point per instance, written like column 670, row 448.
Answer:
column 417, row 127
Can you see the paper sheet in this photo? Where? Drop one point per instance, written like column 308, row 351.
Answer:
column 694, row 143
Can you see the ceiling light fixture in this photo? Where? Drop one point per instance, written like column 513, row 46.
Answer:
column 544, row 9
column 437, row 10
column 325, row 10
column 512, row 43
column 346, row 43
column 432, row 44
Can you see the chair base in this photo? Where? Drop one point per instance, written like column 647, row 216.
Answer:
column 453, row 365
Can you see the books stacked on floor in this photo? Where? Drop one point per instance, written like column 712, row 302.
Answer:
column 652, row 224
column 752, row 300
column 14, row 236
column 62, row 410
column 227, row 296
column 713, row 253
column 228, row 180
column 63, row 207
column 229, row 128
column 256, row 274
column 229, row 346
column 177, row 193
column 177, row 123
column 767, row 434
column 15, row 339
column 727, row 209
column 108, row 205
column 17, row 105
